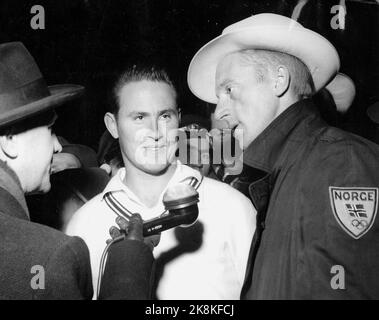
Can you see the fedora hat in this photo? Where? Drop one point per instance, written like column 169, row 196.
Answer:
column 342, row 89
column 23, row 91
column 266, row 31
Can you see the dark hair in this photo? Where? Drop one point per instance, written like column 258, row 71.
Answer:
column 135, row 73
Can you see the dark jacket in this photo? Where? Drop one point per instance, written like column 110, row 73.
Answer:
column 317, row 231
column 37, row 262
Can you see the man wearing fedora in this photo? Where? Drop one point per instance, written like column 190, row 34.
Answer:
column 38, row 262
column 317, row 235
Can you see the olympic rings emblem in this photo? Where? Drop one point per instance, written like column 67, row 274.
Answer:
column 359, row 224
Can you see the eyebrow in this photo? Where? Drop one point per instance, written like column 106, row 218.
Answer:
column 174, row 111
column 223, row 84
column 138, row 113
column 145, row 114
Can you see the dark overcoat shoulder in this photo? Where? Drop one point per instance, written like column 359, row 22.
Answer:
column 38, row 262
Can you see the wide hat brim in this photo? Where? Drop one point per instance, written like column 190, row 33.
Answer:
column 59, row 94
column 268, row 32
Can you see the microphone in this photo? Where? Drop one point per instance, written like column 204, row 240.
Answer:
column 181, row 203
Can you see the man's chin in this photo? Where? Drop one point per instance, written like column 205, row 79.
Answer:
column 45, row 188
column 39, row 191
column 155, row 169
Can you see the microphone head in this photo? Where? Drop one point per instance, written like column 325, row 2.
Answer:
column 180, row 196
column 181, row 203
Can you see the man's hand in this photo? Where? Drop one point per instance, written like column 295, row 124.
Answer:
column 133, row 230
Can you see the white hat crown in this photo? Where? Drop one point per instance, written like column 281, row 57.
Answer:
column 262, row 20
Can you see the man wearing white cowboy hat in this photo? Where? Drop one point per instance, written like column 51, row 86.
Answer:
column 333, row 100
column 317, row 199
column 38, row 262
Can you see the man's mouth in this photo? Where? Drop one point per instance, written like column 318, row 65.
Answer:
column 155, row 147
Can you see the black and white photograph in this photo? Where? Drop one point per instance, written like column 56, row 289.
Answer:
column 205, row 152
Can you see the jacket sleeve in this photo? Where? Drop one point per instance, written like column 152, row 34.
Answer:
column 68, row 273
column 128, row 272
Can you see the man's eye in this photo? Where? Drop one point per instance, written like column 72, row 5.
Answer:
column 228, row 90
column 166, row 116
column 138, row 118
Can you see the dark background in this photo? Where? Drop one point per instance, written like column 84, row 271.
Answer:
column 88, row 41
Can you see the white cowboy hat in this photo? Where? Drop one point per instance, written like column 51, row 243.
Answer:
column 342, row 89
column 263, row 31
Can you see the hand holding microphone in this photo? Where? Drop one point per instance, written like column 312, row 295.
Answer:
column 181, row 203
column 132, row 230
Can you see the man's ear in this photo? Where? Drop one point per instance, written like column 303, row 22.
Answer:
column 8, row 145
column 282, row 81
column 111, row 124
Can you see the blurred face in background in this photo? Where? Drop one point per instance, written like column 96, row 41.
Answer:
column 146, row 125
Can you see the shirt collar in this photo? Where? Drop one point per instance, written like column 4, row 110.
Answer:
column 181, row 174
column 284, row 134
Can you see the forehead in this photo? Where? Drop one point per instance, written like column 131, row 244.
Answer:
column 146, row 96
column 233, row 67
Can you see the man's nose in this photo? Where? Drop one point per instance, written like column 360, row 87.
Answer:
column 155, row 130
column 57, row 145
column 221, row 110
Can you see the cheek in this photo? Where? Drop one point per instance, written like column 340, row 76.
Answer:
column 253, row 107
column 127, row 144
column 244, row 111
column 138, row 135
column 242, row 104
column 43, row 150
column 128, row 134
column 169, row 124
column 170, row 130
column 49, row 150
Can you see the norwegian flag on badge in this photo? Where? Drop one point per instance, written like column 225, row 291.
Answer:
column 354, row 208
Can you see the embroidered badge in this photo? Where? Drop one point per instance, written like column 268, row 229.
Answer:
column 354, row 208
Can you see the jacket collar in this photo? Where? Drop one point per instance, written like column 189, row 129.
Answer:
column 283, row 136
column 14, row 203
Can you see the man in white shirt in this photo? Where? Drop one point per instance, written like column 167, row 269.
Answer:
column 204, row 261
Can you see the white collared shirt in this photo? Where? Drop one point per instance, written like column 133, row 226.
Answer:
column 214, row 270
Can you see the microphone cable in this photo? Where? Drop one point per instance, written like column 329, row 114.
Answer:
column 125, row 213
